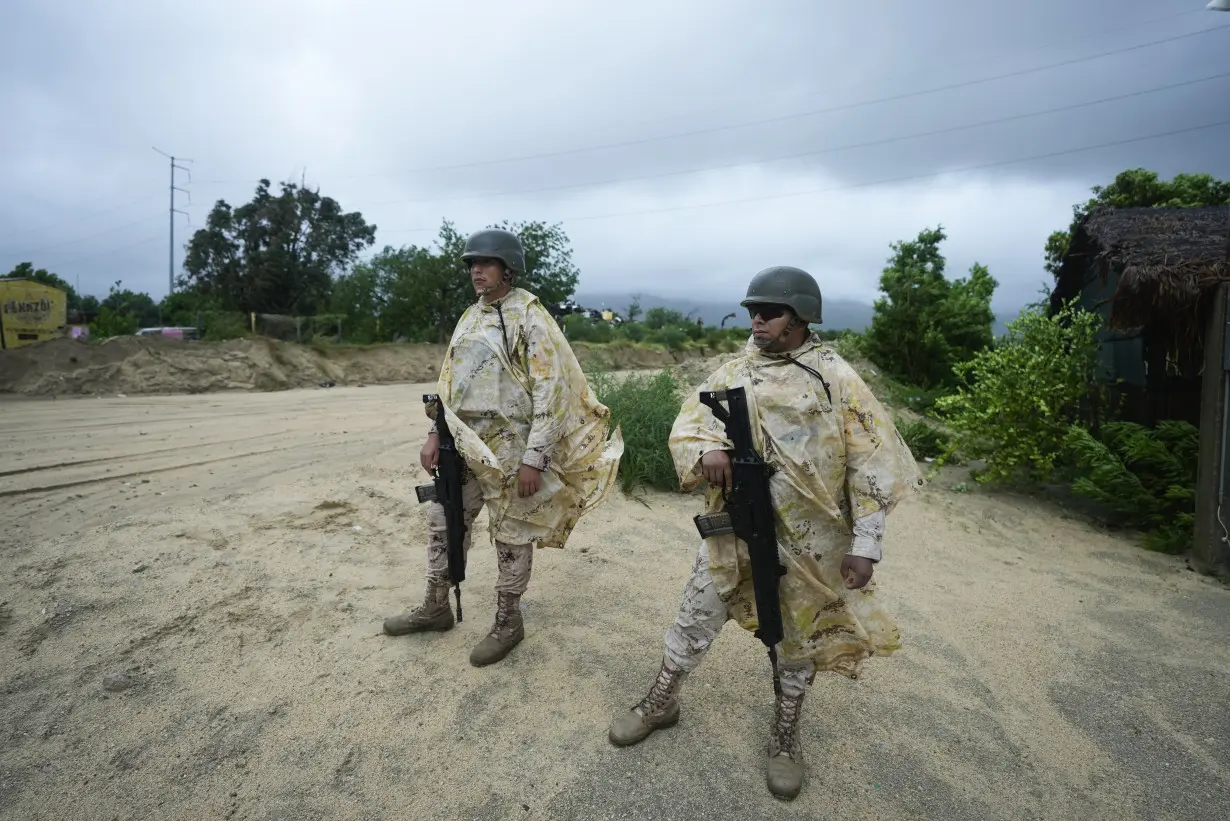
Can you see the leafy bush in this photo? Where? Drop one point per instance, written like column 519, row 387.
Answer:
column 645, row 406
column 110, row 322
column 580, row 328
column 848, row 344
column 672, row 337
column 658, row 318
column 221, row 325
column 925, row 440
column 1018, row 399
column 632, row 331
column 1146, row 477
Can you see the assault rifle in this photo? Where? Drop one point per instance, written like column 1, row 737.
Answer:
column 446, row 489
column 749, row 516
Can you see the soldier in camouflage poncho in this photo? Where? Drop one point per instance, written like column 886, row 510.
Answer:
column 838, row 467
column 532, row 434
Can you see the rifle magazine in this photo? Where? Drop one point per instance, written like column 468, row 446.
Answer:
column 713, row 524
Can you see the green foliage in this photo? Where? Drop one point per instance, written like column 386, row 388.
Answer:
column 123, row 312
column 578, row 328
column 848, row 344
column 658, row 318
column 633, row 331
column 550, row 272
column 1139, row 188
column 136, row 304
column 420, row 293
column 217, row 326
column 645, row 406
column 926, row 441
column 671, row 337
column 1018, row 400
column 1146, row 477
column 110, row 322
column 925, row 325
column 277, row 254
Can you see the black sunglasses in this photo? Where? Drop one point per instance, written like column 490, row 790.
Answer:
column 768, row 312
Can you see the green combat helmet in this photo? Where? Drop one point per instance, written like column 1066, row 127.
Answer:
column 784, row 285
column 496, row 243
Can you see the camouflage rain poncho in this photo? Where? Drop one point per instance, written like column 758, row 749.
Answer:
column 834, row 462
column 524, row 399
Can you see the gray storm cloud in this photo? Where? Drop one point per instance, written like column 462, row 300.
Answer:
column 683, row 145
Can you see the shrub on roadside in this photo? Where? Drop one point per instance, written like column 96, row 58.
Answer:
column 1017, row 401
column 645, row 406
column 1145, row 477
column 924, row 439
column 578, row 328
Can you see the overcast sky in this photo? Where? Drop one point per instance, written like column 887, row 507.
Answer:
column 684, row 145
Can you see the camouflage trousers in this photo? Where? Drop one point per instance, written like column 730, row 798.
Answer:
column 702, row 616
column 515, row 561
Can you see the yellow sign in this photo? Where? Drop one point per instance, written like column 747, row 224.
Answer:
column 30, row 312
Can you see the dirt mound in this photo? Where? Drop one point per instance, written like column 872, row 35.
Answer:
column 154, row 365
column 160, row 365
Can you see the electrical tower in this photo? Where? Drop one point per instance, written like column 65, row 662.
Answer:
column 173, row 212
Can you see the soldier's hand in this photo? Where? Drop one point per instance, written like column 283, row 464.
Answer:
column 715, row 466
column 527, row 482
column 429, row 456
column 856, row 570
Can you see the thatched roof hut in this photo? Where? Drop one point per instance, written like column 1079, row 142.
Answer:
column 1149, row 268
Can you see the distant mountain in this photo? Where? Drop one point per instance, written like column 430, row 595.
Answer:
column 838, row 313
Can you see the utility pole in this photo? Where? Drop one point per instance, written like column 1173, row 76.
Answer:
column 173, row 212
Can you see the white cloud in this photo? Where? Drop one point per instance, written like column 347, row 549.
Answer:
column 841, row 235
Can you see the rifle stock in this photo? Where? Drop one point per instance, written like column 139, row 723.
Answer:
column 445, row 489
column 748, row 515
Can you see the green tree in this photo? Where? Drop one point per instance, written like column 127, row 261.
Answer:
column 1139, row 188
column 278, row 253
column 925, row 324
column 118, row 314
column 550, row 273
column 634, row 308
column 1017, row 401
column 658, row 318
column 420, row 293
column 136, row 304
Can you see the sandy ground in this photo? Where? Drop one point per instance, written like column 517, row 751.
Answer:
column 193, row 588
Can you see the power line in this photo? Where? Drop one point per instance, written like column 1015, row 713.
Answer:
column 57, row 224
column 784, row 117
column 1080, row 38
column 806, row 192
column 108, row 252
column 750, row 163
column 725, row 166
column 30, row 251
column 892, row 181
column 818, row 151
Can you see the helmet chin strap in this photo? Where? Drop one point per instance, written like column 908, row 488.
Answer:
column 780, row 344
column 506, row 279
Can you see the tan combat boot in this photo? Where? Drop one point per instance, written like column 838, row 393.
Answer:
column 786, row 767
column 659, row 708
column 506, row 633
column 433, row 614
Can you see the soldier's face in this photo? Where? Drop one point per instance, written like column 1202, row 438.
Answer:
column 486, row 274
column 769, row 323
